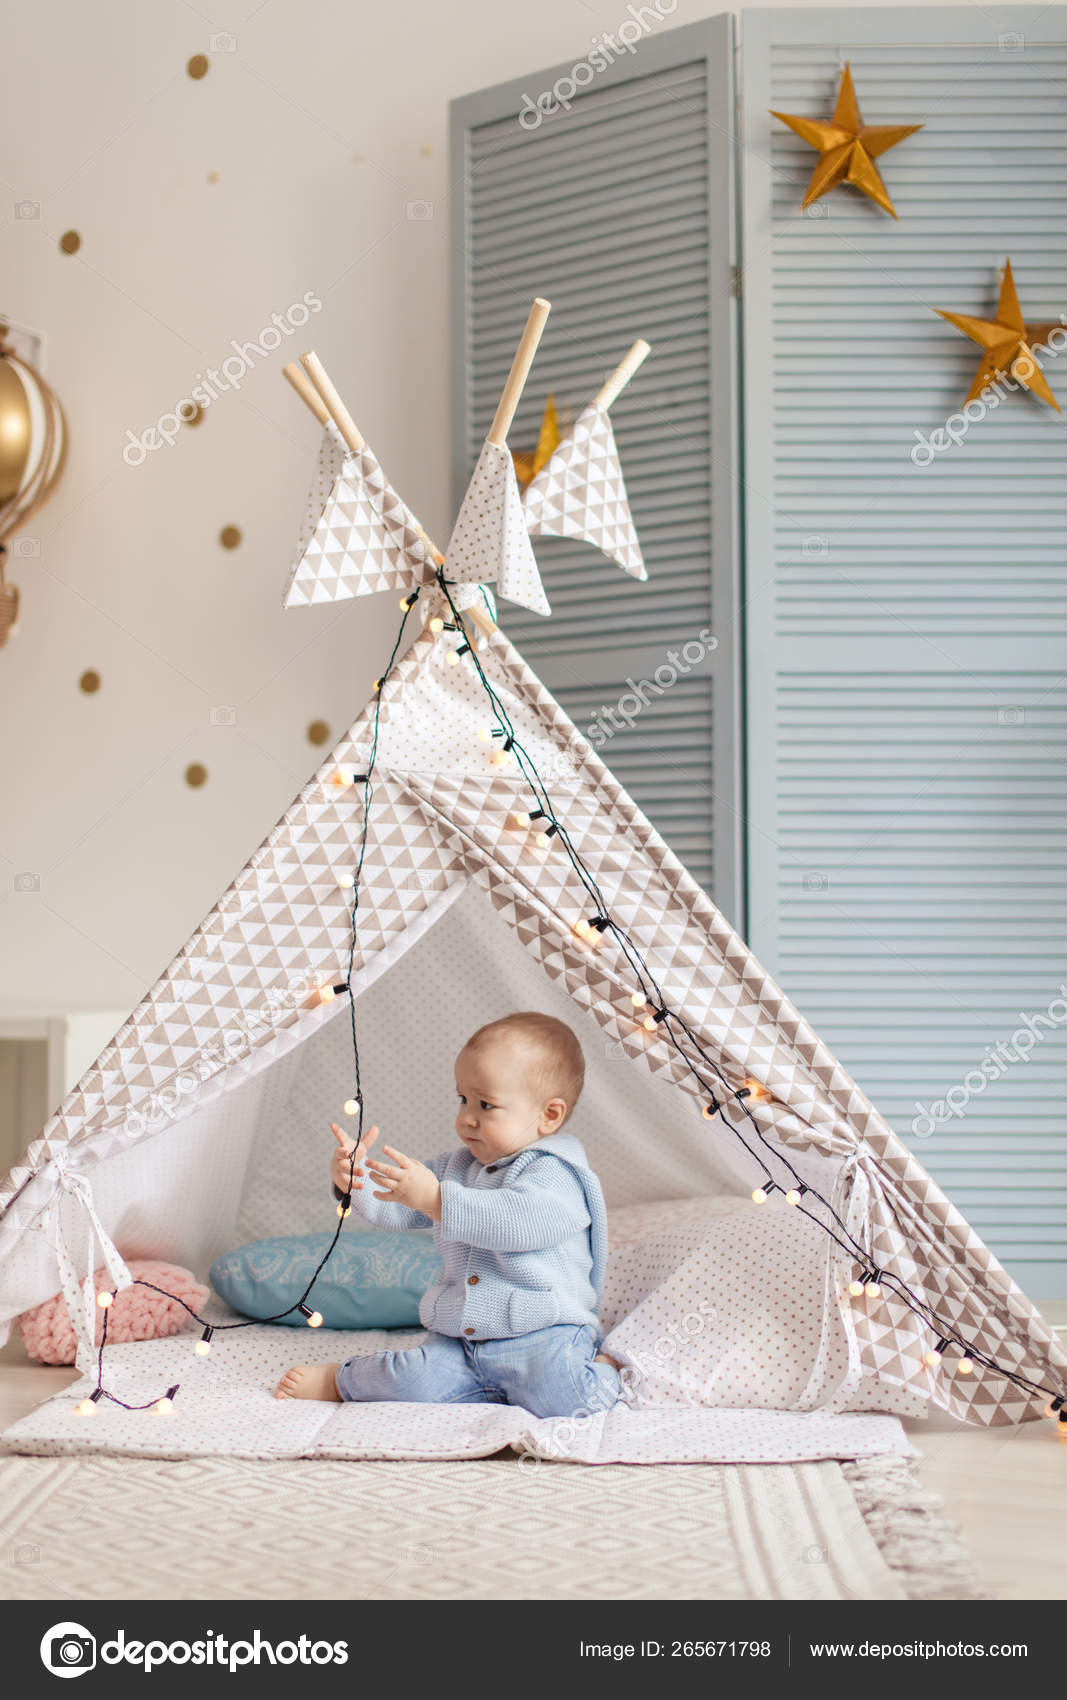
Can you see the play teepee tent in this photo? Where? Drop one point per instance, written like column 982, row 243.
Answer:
column 497, row 861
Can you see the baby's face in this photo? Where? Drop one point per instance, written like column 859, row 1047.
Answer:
column 499, row 1112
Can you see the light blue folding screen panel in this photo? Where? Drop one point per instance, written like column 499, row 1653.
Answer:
column 907, row 613
column 617, row 206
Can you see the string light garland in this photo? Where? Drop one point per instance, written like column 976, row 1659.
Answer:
column 602, row 922
column 669, row 1023
column 314, row 1318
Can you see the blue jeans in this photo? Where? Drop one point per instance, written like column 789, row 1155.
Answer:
column 550, row 1373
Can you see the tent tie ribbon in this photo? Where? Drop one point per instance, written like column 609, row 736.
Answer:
column 80, row 1294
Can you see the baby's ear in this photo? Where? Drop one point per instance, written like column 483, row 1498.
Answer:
column 553, row 1115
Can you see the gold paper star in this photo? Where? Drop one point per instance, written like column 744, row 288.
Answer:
column 528, row 464
column 848, row 147
column 1008, row 343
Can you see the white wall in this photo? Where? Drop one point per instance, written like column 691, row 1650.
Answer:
column 324, row 121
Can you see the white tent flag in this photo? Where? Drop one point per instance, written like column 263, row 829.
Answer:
column 490, row 542
column 580, row 493
column 359, row 536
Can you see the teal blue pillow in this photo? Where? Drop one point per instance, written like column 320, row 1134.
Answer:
column 373, row 1280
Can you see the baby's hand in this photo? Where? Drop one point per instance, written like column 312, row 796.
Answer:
column 345, row 1173
column 407, row 1181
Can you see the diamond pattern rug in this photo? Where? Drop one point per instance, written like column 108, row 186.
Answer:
column 490, row 1529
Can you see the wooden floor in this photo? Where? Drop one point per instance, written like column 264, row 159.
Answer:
column 1007, row 1488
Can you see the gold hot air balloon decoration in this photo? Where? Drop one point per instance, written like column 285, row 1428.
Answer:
column 33, row 441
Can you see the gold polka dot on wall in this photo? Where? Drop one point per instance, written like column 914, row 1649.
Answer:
column 230, row 536
column 191, row 416
column 197, row 66
column 70, row 242
column 318, row 732
column 89, row 682
column 195, row 774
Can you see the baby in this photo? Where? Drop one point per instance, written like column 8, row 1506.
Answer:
column 518, row 1217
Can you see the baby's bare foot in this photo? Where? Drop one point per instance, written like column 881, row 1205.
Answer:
column 309, row 1381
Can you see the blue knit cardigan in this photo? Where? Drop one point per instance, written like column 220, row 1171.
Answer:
column 523, row 1241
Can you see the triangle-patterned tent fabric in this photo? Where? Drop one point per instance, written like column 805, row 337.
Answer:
column 490, row 543
column 359, row 536
column 580, row 493
column 442, row 815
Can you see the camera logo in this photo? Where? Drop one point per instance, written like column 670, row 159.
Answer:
column 68, row 1649
column 223, row 714
column 27, row 882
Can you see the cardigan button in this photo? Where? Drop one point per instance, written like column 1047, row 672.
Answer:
column 472, row 1280
column 468, row 1331
column 491, row 1170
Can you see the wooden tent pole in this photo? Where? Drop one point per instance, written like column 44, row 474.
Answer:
column 307, row 392
column 622, row 374
column 339, row 413
column 520, row 371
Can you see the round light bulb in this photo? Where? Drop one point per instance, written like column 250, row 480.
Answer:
column 327, row 994
column 202, row 1348
column 105, row 1300
column 345, row 881
column 792, row 1196
column 520, row 818
column 758, row 1195
column 344, row 1210
column 86, row 1408
column 965, row 1367
column 315, row 1319
column 452, row 658
column 582, row 927
column 708, row 1113
column 856, row 1289
column 437, row 624
column 1048, row 1412
column 500, row 758
column 377, row 685
column 638, row 999
column 485, row 733
column 351, row 1106
column 649, row 1024
column 343, row 776
column 755, row 1090
column 873, row 1289
column 404, row 605
column 163, row 1406
column 542, row 841
column 932, row 1359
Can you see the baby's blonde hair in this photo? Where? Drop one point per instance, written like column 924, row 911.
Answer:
column 557, row 1064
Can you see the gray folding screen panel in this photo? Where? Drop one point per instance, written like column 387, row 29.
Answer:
column 907, row 604
column 617, row 206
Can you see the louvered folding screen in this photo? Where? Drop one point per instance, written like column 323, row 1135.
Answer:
column 907, row 675
column 619, row 210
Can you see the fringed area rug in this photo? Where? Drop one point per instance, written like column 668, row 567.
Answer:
column 496, row 1528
